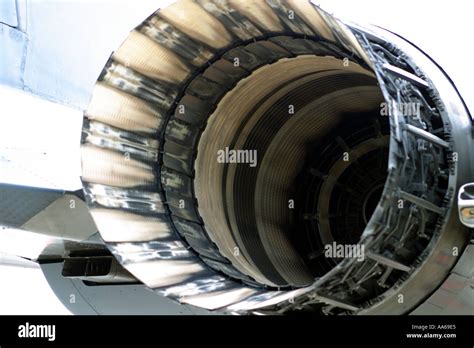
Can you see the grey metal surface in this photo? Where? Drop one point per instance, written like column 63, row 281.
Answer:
column 465, row 266
column 435, row 267
column 18, row 204
column 67, row 217
column 110, row 299
column 456, row 295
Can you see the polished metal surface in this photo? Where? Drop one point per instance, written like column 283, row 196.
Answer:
column 146, row 56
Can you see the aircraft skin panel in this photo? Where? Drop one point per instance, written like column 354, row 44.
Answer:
column 56, row 53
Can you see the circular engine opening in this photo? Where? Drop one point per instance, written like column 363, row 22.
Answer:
column 227, row 158
column 290, row 162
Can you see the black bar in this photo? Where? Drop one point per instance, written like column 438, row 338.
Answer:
column 242, row 330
